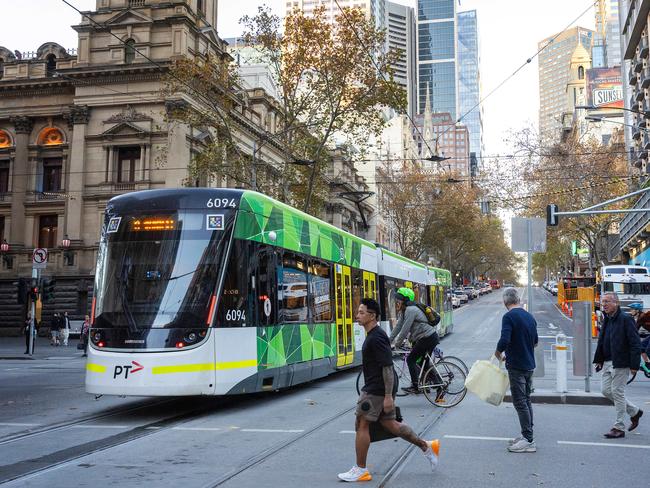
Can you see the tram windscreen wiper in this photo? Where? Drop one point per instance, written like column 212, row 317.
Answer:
column 124, row 282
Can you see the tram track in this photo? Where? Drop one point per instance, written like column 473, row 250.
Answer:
column 266, row 454
column 29, row 468
column 45, row 429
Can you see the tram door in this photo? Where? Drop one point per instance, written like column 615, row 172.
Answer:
column 369, row 285
column 344, row 315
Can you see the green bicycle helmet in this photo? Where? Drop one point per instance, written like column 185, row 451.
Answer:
column 405, row 294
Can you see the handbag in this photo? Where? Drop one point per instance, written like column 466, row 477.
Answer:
column 377, row 431
column 488, row 381
column 81, row 346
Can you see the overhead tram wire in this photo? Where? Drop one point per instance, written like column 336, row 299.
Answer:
column 514, row 73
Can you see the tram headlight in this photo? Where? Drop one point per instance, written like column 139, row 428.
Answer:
column 191, row 337
column 97, row 336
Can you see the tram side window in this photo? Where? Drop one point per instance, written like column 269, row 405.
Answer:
column 357, row 290
column 320, row 292
column 265, row 284
column 235, row 307
column 421, row 293
column 292, row 289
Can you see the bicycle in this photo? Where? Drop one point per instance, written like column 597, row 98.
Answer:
column 443, row 382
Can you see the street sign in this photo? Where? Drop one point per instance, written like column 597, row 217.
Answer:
column 39, row 258
column 526, row 239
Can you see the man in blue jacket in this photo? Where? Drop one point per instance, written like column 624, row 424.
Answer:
column 617, row 354
column 518, row 340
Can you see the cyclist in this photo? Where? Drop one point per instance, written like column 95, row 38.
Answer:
column 643, row 327
column 413, row 324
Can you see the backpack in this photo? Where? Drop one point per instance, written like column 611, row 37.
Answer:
column 432, row 316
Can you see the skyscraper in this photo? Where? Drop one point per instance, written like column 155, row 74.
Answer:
column 436, row 45
column 400, row 26
column 554, row 62
column 374, row 9
column 607, row 38
column 469, row 80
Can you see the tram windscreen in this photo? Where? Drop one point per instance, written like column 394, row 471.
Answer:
column 627, row 288
column 159, row 270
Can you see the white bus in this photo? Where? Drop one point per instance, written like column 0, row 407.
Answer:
column 630, row 283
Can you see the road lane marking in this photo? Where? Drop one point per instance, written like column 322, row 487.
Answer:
column 605, row 444
column 90, row 426
column 290, row 431
column 17, row 424
column 207, row 429
column 478, row 438
column 347, row 432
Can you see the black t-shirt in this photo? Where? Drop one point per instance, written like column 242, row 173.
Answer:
column 376, row 354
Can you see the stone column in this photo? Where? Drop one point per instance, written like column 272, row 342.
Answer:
column 23, row 128
column 78, row 118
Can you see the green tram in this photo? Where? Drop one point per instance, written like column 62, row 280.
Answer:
column 220, row 291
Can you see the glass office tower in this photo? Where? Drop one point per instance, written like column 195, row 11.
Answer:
column 436, row 45
column 469, row 80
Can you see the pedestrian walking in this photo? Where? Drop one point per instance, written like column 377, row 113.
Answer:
column 85, row 334
column 518, row 341
column 618, row 354
column 30, row 332
column 65, row 328
column 376, row 402
column 55, row 327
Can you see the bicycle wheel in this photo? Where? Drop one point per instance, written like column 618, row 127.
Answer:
column 402, row 374
column 398, row 372
column 444, row 384
column 458, row 361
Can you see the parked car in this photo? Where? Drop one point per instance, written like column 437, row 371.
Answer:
column 554, row 289
column 471, row 292
column 455, row 300
column 462, row 296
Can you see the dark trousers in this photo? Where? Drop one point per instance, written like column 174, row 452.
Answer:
column 521, row 385
column 27, row 343
column 420, row 348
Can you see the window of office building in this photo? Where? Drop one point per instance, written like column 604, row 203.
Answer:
column 52, row 169
column 47, row 230
column 127, row 159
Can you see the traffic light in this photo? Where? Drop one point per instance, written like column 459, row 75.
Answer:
column 23, row 290
column 48, row 289
column 551, row 215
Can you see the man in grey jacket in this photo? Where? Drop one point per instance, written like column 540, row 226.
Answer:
column 413, row 324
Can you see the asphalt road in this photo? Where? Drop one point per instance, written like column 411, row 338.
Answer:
column 304, row 436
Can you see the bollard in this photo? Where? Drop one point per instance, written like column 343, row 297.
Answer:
column 561, row 367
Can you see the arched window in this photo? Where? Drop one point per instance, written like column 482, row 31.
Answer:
column 129, row 51
column 50, row 136
column 5, row 139
column 581, row 73
column 50, row 67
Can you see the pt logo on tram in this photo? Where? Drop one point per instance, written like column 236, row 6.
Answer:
column 134, row 367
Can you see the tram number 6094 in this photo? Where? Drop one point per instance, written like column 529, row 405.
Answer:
column 221, row 203
column 234, row 315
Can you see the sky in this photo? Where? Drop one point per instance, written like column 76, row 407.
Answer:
column 509, row 31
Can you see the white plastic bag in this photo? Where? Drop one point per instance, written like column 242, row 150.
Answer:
column 488, row 381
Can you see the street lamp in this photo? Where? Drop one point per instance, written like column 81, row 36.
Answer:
column 595, row 118
column 68, row 255
column 6, row 258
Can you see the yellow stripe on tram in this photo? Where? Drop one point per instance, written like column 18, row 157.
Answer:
column 96, row 368
column 195, row 368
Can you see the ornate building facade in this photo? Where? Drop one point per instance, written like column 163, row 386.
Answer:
column 79, row 127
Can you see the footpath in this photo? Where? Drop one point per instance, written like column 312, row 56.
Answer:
column 13, row 348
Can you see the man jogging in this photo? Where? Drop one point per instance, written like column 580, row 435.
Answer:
column 518, row 340
column 617, row 354
column 376, row 402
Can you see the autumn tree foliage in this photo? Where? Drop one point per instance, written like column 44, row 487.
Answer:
column 575, row 174
column 333, row 80
column 438, row 217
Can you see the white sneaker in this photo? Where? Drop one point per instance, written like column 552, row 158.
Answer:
column 523, row 446
column 356, row 474
column 512, row 442
column 432, row 453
